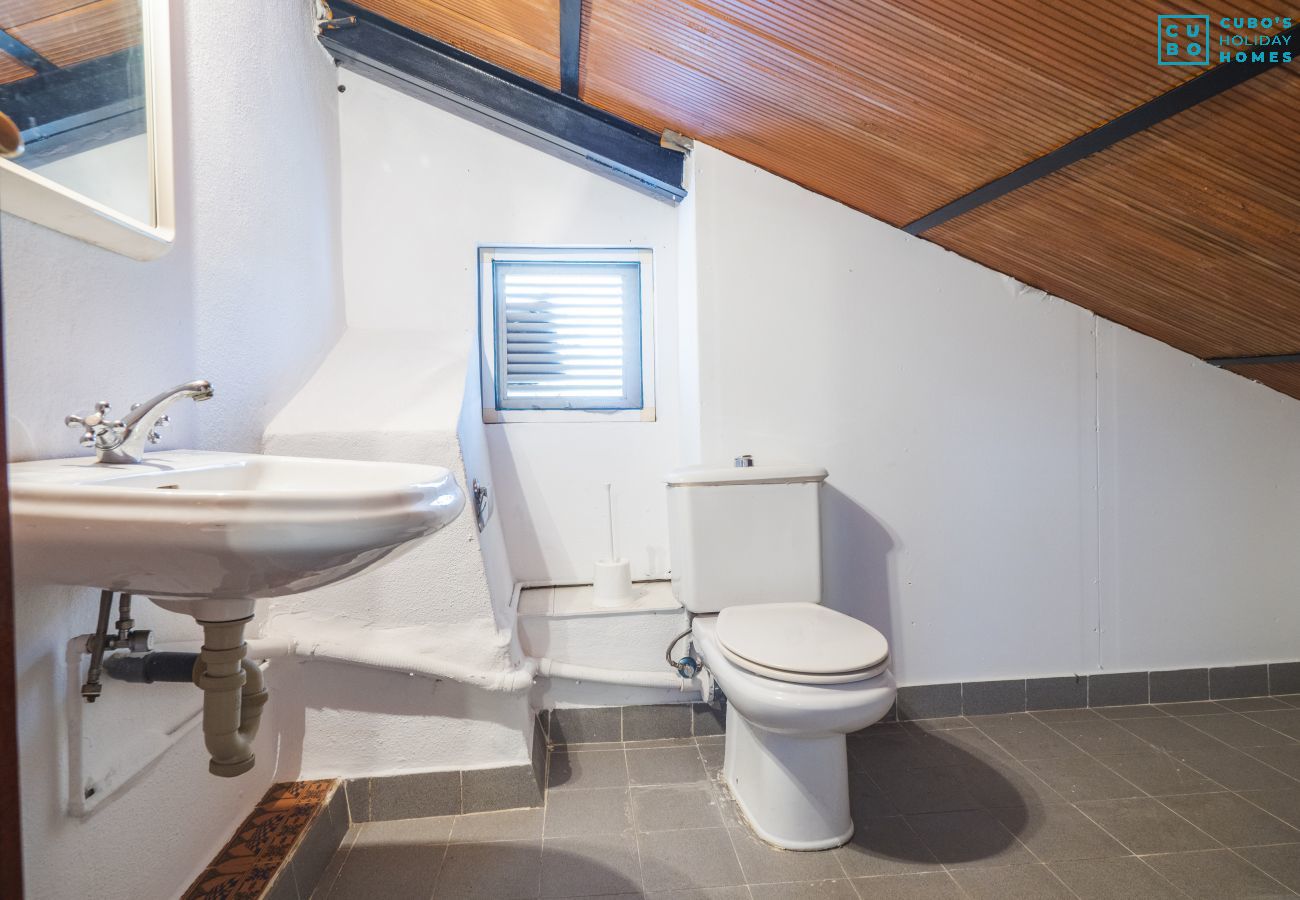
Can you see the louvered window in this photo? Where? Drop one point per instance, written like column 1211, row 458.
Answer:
column 569, row 329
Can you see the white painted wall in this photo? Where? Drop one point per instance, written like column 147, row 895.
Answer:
column 960, row 415
column 249, row 297
column 417, row 204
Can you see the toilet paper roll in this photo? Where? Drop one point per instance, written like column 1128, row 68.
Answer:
column 612, row 585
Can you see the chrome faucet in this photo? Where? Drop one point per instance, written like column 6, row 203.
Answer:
column 122, row 441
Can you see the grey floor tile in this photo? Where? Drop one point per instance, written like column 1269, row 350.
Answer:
column 397, row 871
column 734, row 892
column 585, row 726
column 1283, row 804
column 1239, row 731
column 1082, row 778
column 676, row 807
column 1282, row 862
column 507, row 825
column 1216, row 875
column 1125, row 878
column 888, row 751
column 866, row 799
column 1100, row 736
column 1231, row 820
column 588, row 769
column 1054, row 833
column 969, row 838
column 333, row 867
column 885, row 846
column 1031, row 882
column 1145, row 825
column 926, row 790
column 590, row 865
column 1052, row 716
column 643, row 723
column 712, row 755
column 506, row 870
column 414, row 795
column 1158, row 773
column 684, row 860
column 967, row 745
column 1130, row 712
column 668, row 765
column 1192, row 708
column 588, row 811
column 1254, row 704
column 763, row 863
column 1234, row 769
column 1006, row 783
column 1286, row 759
column 837, row 889
column 404, row 832
column 1030, row 739
column 1289, row 699
column 1286, row 721
column 1171, row 734
column 946, row 723
column 926, row 886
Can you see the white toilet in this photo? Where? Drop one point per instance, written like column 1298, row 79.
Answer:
column 746, row 549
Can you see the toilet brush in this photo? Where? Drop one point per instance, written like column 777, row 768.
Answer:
column 612, row 584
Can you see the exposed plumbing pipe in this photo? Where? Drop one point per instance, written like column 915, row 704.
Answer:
column 233, row 697
column 429, row 666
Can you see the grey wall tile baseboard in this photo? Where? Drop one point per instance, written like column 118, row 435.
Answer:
column 651, row 722
column 976, row 698
column 417, row 795
column 301, row 870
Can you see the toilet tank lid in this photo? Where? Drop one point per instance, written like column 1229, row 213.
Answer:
column 697, row 476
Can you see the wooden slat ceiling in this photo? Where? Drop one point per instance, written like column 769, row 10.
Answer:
column 83, row 32
column 67, row 32
column 11, row 69
column 1187, row 232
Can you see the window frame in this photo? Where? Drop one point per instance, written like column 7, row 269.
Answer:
column 489, row 335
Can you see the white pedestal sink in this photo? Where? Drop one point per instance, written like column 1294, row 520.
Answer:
column 209, row 534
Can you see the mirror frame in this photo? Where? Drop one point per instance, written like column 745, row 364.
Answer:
column 44, row 201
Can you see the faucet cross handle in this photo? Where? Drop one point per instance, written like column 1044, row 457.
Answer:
column 100, row 431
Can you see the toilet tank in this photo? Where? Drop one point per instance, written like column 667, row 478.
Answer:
column 741, row 536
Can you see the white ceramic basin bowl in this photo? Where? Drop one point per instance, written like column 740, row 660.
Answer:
column 188, row 527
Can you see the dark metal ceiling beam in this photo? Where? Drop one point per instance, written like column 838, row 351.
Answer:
column 1208, row 84
column 570, row 46
column 25, row 54
column 496, row 98
column 1255, row 360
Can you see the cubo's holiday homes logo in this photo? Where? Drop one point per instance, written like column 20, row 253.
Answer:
column 1189, row 40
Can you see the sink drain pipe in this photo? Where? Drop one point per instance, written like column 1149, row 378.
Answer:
column 234, row 691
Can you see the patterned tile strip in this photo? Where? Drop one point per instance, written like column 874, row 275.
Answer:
column 246, row 866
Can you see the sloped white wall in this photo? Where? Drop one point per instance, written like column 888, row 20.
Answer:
column 249, row 297
column 1017, row 488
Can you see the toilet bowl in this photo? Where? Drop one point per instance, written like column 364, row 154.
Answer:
column 746, row 549
column 785, row 758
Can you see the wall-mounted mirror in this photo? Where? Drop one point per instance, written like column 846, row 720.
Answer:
column 88, row 86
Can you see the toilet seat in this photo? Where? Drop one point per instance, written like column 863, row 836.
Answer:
column 801, row 643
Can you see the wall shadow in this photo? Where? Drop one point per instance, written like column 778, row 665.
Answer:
column 856, row 550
